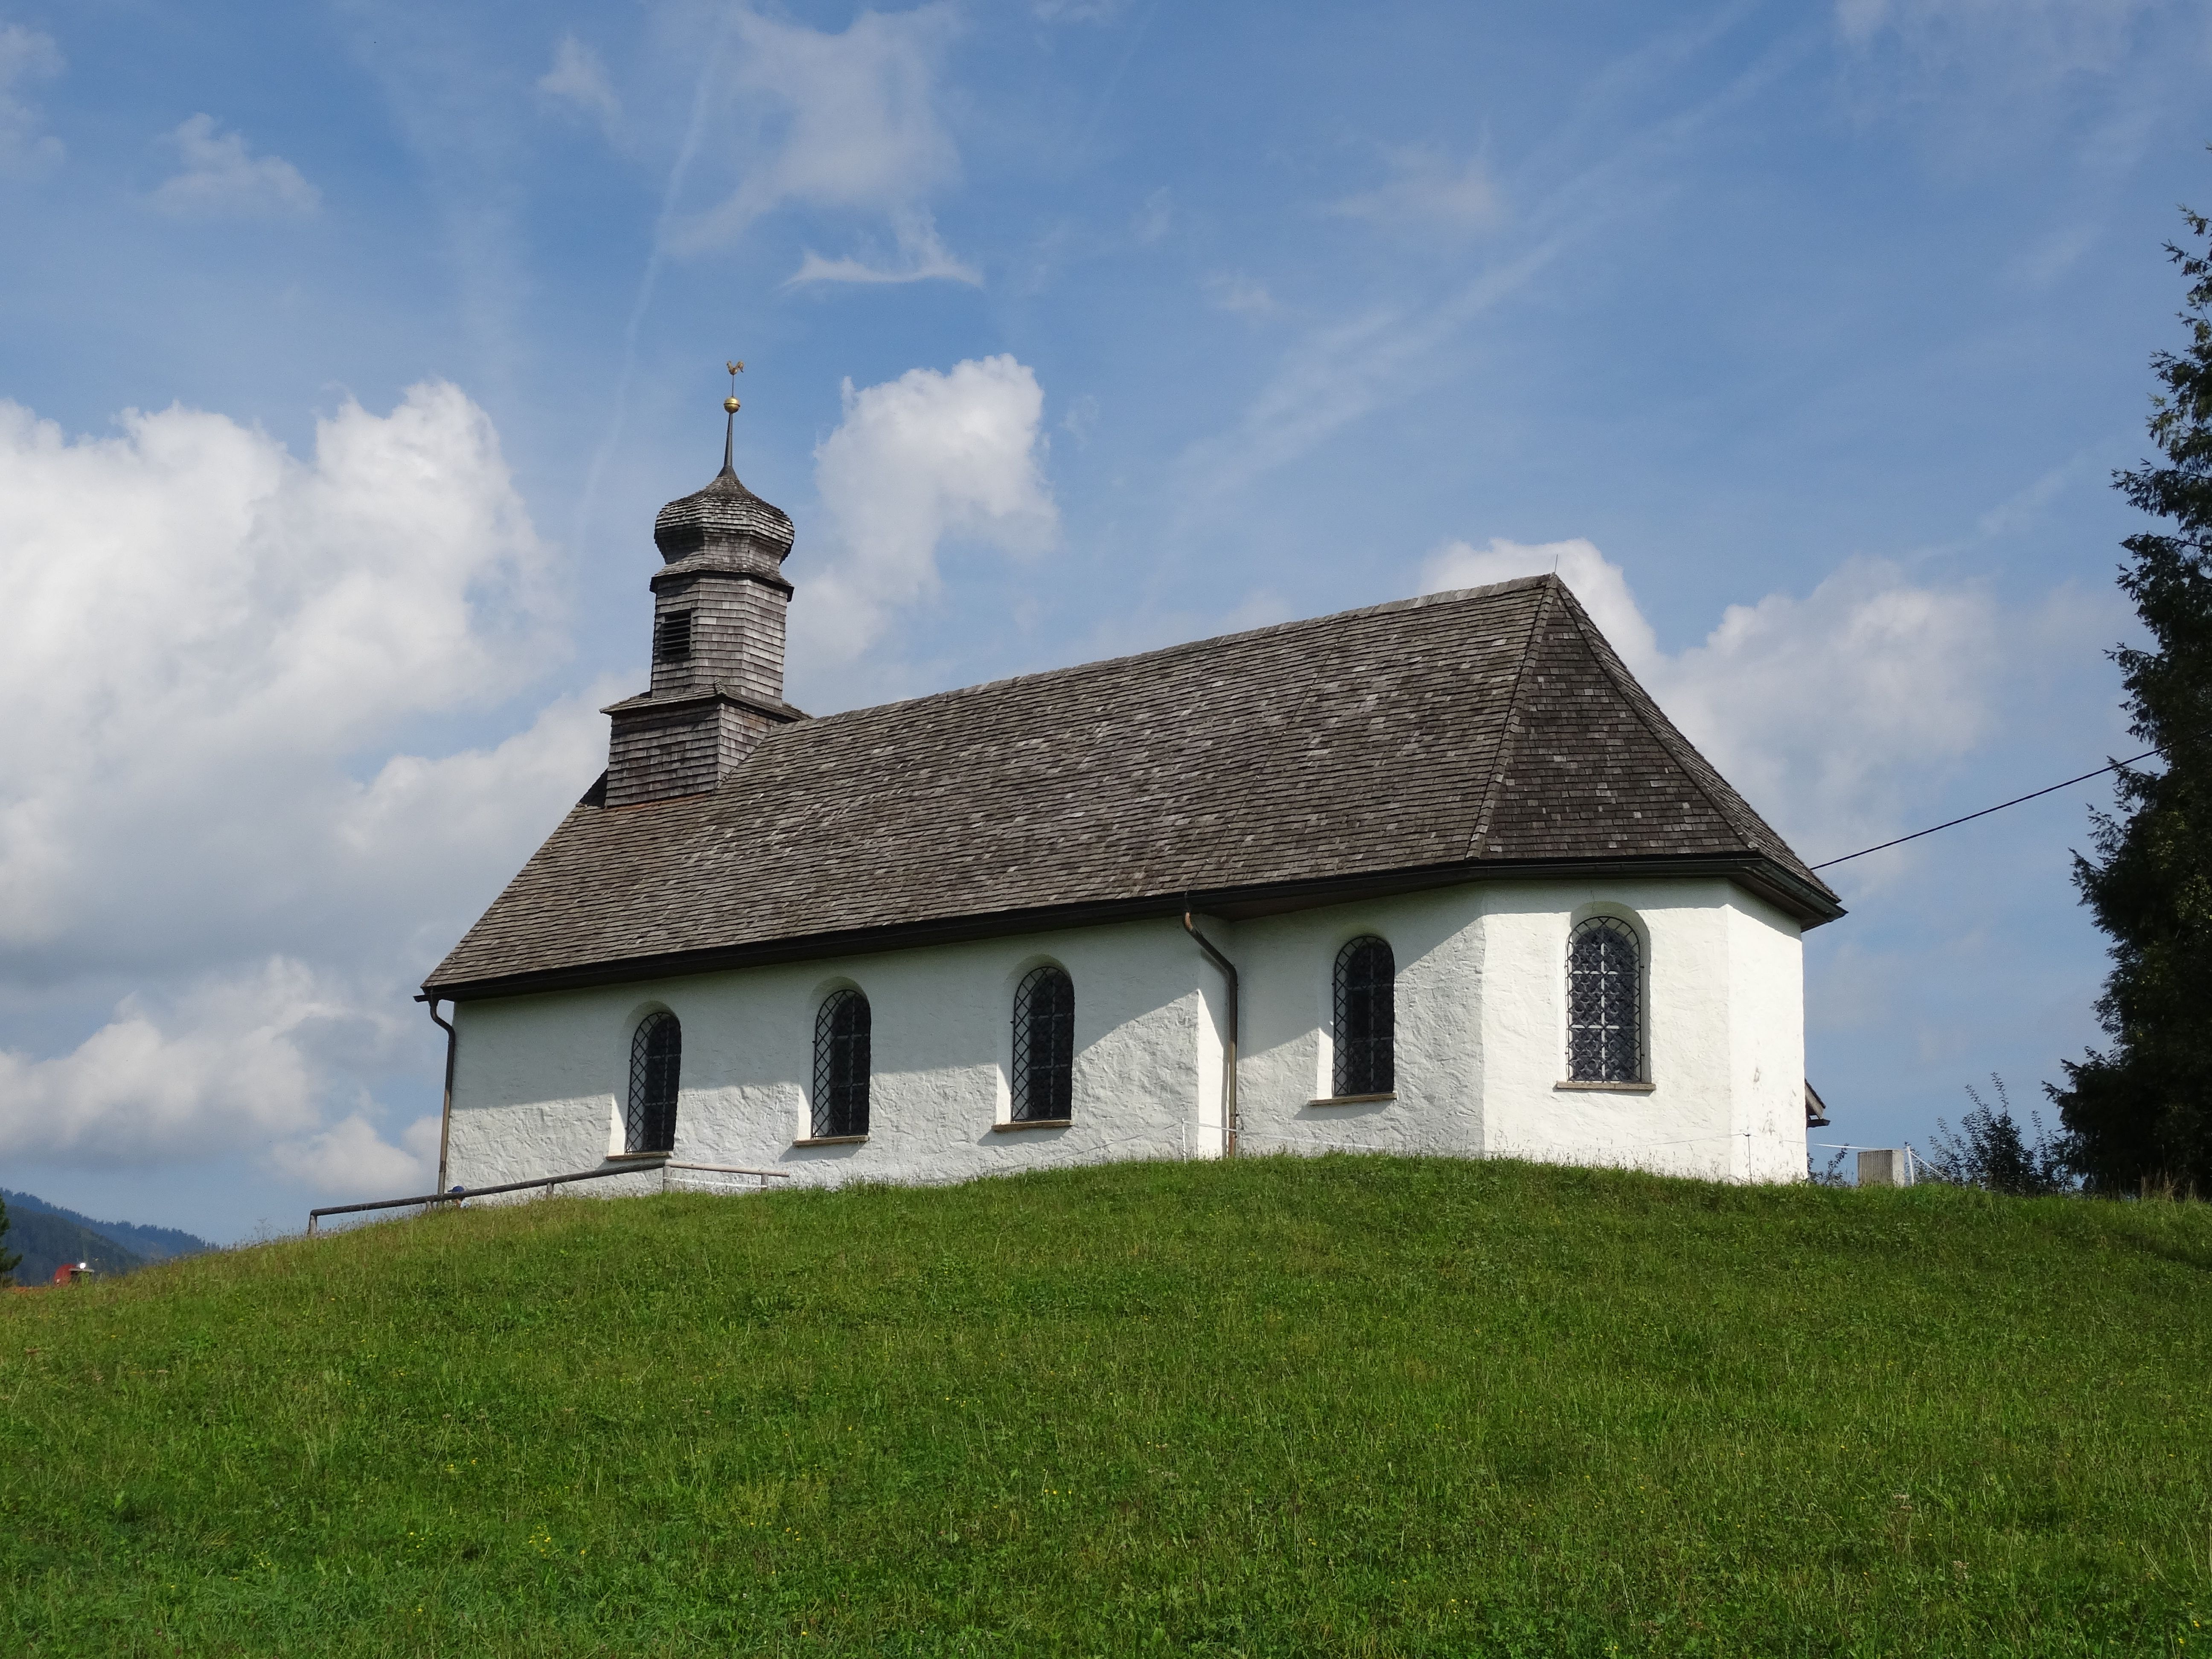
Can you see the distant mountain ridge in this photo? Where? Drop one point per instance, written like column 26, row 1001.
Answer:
column 46, row 1235
column 44, row 1240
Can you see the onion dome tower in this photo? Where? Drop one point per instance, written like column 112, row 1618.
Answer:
column 718, row 623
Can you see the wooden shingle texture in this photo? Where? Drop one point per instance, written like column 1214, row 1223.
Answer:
column 1488, row 728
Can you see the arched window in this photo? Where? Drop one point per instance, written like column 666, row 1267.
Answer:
column 1605, row 982
column 841, row 1065
column 1366, row 1018
column 656, row 1056
column 1044, row 1045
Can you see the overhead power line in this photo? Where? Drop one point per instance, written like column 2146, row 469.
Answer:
column 2112, row 766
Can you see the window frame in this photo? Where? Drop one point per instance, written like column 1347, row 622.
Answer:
column 1365, row 1066
column 643, row 1113
column 839, row 1109
column 1058, row 1067
column 1597, row 1034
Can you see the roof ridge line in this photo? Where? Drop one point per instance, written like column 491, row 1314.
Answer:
column 1418, row 601
column 1505, row 746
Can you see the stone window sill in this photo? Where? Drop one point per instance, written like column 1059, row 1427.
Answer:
column 1350, row 1100
column 1610, row 1088
column 636, row 1158
column 829, row 1140
column 1032, row 1123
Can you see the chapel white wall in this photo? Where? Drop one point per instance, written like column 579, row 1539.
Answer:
column 538, row 1080
column 1481, row 1041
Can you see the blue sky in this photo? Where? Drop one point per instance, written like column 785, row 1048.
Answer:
column 353, row 346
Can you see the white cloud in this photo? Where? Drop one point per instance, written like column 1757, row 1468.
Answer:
column 917, row 461
column 222, row 179
column 844, row 122
column 202, row 637
column 1427, row 189
column 1826, row 712
column 1240, row 295
column 351, row 1159
column 457, row 800
column 1595, row 580
column 579, row 80
column 226, row 1065
column 26, row 55
column 190, row 619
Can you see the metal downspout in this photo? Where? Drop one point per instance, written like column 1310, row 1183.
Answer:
column 445, row 1111
column 1229, row 1049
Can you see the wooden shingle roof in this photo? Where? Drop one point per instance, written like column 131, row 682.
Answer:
column 1487, row 733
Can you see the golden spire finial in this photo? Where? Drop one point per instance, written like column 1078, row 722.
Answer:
column 730, row 424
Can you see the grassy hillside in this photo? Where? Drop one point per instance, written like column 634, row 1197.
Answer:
column 1358, row 1405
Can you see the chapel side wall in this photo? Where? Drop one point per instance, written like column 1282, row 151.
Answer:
column 533, row 1087
column 1481, row 1011
column 1688, row 1122
column 1766, row 963
column 1287, row 964
column 539, row 1080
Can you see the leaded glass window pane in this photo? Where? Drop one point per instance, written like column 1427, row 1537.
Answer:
column 656, row 1058
column 841, row 1065
column 1605, row 983
column 1044, row 1045
column 1366, row 1018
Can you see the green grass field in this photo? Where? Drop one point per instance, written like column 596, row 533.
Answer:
column 1367, row 1405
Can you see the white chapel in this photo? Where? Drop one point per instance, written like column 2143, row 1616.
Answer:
column 1432, row 877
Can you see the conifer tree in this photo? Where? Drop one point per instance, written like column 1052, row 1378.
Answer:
column 2141, row 1110
column 8, row 1263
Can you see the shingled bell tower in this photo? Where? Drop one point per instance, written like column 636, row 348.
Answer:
column 718, row 621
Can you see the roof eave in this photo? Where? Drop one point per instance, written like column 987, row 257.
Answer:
column 1755, row 872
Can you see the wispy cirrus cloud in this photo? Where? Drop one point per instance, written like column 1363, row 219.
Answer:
column 1240, row 295
column 26, row 55
column 919, row 256
column 1154, row 218
column 1344, row 367
column 844, row 123
column 2041, row 37
column 1427, row 190
column 578, row 82
column 1341, row 371
column 1976, row 74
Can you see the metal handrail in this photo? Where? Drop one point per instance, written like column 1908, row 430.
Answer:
column 729, row 1168
column 631, row 1166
